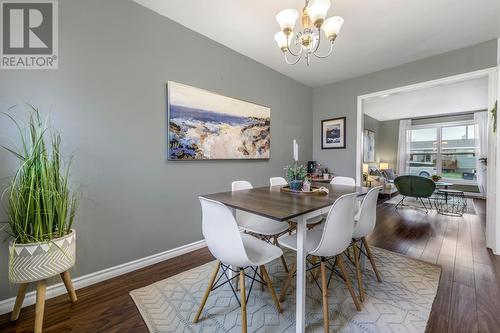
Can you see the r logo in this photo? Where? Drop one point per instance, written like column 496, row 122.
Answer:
column 29, row 28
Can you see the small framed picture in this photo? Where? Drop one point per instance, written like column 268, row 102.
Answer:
column 333, row 133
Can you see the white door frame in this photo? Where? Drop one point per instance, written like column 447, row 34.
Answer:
column 492, row 225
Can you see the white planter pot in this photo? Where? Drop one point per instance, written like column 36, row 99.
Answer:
column 38, row 261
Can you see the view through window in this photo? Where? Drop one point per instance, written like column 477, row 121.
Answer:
column 446, row 150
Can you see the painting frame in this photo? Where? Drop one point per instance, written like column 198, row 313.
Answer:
column 172, row 84
column 368, row 145
column 327, row 131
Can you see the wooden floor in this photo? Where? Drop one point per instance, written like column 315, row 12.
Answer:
column 468, row 298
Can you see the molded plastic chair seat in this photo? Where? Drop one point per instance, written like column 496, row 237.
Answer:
column 364, row 222
column 312, row 240
column 237, row 252
column 260, row 225
column 258, row 251
column 255, row 223
column 340, row 180
column 328, row 244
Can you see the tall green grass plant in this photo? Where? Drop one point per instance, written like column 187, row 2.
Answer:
column 41, row 204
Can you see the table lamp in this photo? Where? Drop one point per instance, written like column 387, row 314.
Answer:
column 383, row 166
column 365, row 168
column 365, row 173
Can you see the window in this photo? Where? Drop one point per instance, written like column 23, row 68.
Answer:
column 423, row 152
column 445, row 149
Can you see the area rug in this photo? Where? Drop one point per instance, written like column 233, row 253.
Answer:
column 401, row 303
column 415, row 203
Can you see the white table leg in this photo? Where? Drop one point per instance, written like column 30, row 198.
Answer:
column 301, row 275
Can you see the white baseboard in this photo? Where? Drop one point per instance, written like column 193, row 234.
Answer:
column 108, row 273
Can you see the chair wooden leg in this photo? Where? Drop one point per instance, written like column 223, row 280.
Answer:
column 288, row 281
column 340, row 262
column 370, row 257
column 324, row 292
column 271, row 288
column 66, row 277
column 283, row 261
column 243, row 302
column 207, row 292
column 347, row 253
column 41, row 287
column 262, row 274
column 358, row 272
column 21, row 292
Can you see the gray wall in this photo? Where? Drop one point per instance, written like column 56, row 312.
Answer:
column 387, row 144
column 108, row 99
column 386, row 140
column 340, row 99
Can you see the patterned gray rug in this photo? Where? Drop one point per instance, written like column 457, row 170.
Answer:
column 415, row 203
column 401, row 303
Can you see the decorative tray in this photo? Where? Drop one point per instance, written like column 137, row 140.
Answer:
column 314, row 191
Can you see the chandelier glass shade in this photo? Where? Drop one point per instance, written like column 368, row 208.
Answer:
column 306, row 43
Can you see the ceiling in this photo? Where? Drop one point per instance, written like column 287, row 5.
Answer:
column 377, row 34
column 465, row 96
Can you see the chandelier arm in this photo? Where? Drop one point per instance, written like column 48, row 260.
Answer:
column 319, row 42
column 322, row 56
column 298, row 54
column 292, row 62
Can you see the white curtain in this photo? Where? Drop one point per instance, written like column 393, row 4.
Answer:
column 481, row 129
column 403, row 146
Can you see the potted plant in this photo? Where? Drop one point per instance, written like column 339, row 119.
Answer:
column 436, row 178
column 295, row 175
column 41, row 210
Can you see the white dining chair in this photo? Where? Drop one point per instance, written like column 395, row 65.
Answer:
column 313, row 221
column 328, row 244
column 364, row 223
column 235, row 252
column 340, row 180
column 257, row 225
column 277, row 181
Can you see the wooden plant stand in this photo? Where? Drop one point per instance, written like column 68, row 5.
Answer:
column 41, row 287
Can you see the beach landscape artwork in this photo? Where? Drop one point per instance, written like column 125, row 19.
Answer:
column 206, row 126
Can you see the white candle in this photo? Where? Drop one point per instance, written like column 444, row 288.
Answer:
column 295, row 150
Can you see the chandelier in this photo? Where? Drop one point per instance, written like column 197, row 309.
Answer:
column 305, row 43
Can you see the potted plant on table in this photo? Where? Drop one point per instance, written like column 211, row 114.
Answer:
column 41, row 210
column 436, row 178
column 296, row 174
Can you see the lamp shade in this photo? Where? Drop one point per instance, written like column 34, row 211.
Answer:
column 286, row 19
column 365, row 168
column 383, row 166
column 317, row 10
column 331, row 26
column 282, row 40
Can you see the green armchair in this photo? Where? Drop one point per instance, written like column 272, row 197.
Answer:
column 416, row 187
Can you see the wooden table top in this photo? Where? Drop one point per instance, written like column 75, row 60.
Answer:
column 270, row 202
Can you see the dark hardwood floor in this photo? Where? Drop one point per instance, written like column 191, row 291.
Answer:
column 468, row 298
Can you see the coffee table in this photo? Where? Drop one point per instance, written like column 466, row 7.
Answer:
column 444, row 185
column 450, row 202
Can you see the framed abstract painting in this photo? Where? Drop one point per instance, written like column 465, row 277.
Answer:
column 368, row 146
column 333, row 133
column 203, row 125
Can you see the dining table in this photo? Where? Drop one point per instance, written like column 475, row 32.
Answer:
column 273, row 203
